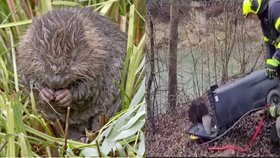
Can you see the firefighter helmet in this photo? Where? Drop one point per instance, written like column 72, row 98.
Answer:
column 251, row 6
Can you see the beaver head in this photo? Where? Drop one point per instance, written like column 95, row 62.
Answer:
column 60, row 50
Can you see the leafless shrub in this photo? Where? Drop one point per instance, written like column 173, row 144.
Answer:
column 215, row 44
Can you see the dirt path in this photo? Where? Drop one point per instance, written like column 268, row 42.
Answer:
column 171, row 139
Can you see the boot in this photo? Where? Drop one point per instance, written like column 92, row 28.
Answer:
column 274, row 139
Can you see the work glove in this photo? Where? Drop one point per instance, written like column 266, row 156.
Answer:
column 271, row 70
column 273, row 110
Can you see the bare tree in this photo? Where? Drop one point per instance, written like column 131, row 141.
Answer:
column 172, row 75
column 151, row 72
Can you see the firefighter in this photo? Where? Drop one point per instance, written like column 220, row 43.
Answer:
column 268, row 13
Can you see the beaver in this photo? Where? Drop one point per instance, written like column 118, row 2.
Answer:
column 198, row 112
column 73, row 57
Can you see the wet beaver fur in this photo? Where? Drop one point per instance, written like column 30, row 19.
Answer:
column 72, row 57
column 197, row 110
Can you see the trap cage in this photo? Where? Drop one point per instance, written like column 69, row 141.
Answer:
column 230, row 102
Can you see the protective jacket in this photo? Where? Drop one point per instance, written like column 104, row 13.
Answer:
column 270, row 23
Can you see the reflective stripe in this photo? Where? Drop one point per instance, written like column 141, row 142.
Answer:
column 259, row 6
column 277, row 46
column 275, row 110
column 246, row 7
column 273, row 62
column 276, row 61
column 272, row 111
column 277, row 24
column 193, row 137
column 265, row 39
column 274, row 42
column 278, row 111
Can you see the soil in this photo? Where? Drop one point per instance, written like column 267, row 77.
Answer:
column 170, row 137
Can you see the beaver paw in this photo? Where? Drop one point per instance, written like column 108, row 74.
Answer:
column 63, row 97
column 46, row 94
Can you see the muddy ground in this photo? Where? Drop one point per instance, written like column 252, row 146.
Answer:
column 170, row 137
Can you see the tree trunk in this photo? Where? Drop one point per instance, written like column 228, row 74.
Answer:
column 150, row 72
column 172, row 80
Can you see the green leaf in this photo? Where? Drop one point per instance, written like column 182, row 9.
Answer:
column 121, row 150
column 141, row 149
column 141, row 112
column 66, row 3
column 70, row 153
column 45, row 6
column 123, row 119
column 18, row 23
column 20, row 125
column 24, row 151
column 14, row 59
column 107, row 145
column 139, row 94
column 105, row 133
column 11, row 151
column 105, row 9
column 141, row 66
column 88, row 152
column 130, row 45
column 131, row 131
column 5, row 77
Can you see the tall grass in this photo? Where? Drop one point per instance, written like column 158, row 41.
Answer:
column 25, row 133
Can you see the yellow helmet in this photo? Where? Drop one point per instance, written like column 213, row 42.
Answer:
column 251, row 6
